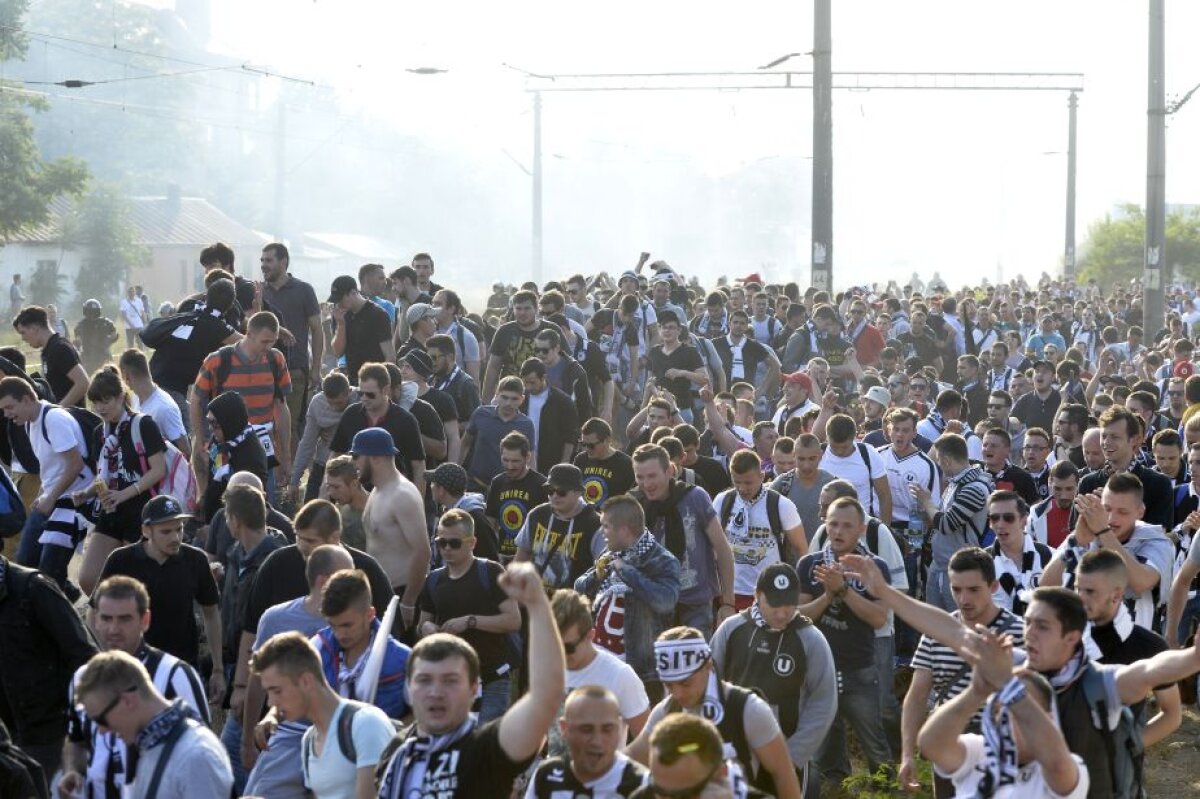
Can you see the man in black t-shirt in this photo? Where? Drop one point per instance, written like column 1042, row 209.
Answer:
column 417, row 367
column 513, row 343
column 479, row 760
column 177, row 359
column 375, row 409
column 464, row 598
column 675, row 366
column 60, row 362
column 607, row 472
column 513, row 492
column 364, row 331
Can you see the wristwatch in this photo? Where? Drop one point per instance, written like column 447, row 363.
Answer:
column 471, row 622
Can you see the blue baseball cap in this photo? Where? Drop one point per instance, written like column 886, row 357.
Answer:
column 373, row 442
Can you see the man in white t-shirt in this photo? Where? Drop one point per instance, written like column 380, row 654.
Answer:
column 290, row 670
column 850, row 459
column 758, row 523
column 152, row 400
column 133, row 312
column 54, row 526
column 1022, row 754
column 588, row 664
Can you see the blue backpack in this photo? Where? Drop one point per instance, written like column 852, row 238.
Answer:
column 12, row 510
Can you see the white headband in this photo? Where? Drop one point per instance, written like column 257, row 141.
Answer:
column 680, row 658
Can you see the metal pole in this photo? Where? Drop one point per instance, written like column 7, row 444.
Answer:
column 822, row 169
column 537, row 188
column 281, row 221
column 1156, row 256
column 1069, row 251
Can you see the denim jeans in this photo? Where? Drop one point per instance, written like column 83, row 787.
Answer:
column 50, row 559
column 1190, row 615
column 937, row 591
column 494, row 702
column 699, row 616
column 316, row 476
column 889, row 706
column 858, row 705
column 231, row 739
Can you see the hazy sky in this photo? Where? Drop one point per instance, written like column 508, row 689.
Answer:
column 960, row 182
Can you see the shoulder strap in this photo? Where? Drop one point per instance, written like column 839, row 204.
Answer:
column 168, row 747
column 873, row 536
column 224, row 367
column 345, row 732
column 774, row 520
column 481, row 569
column 866, row 457
column 727, row 507
column 786, row 481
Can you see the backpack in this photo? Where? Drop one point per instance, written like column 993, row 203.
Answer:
column 89, row 423
column 20, row 774
column 226, row 366
column 1124, row 744
column 12, row 510
column 773, row 519
column 156, row 334
column 180, row 480
column 516, row 645
column 345, row 735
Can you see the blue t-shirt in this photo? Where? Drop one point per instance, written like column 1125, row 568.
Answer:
column 283, row 618
column 489, row 429
column 851, row 639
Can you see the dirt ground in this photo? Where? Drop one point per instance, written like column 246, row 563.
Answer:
column 1172, row 766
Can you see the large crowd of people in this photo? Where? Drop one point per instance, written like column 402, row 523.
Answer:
column 598, row 538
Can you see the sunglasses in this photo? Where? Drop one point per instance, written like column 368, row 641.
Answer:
column 691, row 792
column 570, row 646
column 558, row 492
column 589, row 444
column 101, row 718
column 449, row 543
column 368, row 394
column 1008, row 518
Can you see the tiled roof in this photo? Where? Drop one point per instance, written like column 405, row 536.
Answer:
column 197, row 223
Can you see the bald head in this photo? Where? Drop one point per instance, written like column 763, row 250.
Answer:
column 245, row 479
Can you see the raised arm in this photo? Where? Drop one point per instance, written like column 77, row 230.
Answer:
column 524, row 726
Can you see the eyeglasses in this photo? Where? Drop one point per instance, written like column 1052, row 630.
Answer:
column 1009, row 518
column 449, row 543
column 368, row 394
column 558, row 492
column 691, row 792
column 101, row 718
column 589, row 444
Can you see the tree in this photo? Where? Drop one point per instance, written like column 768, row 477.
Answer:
column 1114, row 250
column 30, row 183
column 47, row 284
column 100, row 226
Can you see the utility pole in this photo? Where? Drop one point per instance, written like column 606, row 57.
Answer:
column 1156, row 141
column 537, row 188
column 1069, row 250
column 281, row 168
column 821, row 275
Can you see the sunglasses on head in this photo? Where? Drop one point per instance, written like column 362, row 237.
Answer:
column 1009, row 517
column 449, row 543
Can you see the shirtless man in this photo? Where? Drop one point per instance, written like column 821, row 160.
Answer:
column 394, row 519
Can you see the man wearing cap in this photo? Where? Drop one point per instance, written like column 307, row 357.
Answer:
column 747, row 725
column 394, row 518
column 364, row 332
column 772, row 648
column 797, row 399
column 875, row 404
column 416, row 367
column 448, row 486
column 422, row 321
column 176, row 575
column 560, row 535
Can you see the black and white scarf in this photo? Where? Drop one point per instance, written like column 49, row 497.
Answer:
column 405, row 772
column 1000, row 747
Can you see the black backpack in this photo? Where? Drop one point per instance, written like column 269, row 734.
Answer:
column 155, row 334
column 1123, row 745
column 90, row 423
column 866, row 459
column 772, row 514
column 345, row 735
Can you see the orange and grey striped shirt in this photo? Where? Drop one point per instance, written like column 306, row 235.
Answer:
column 254, row 380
